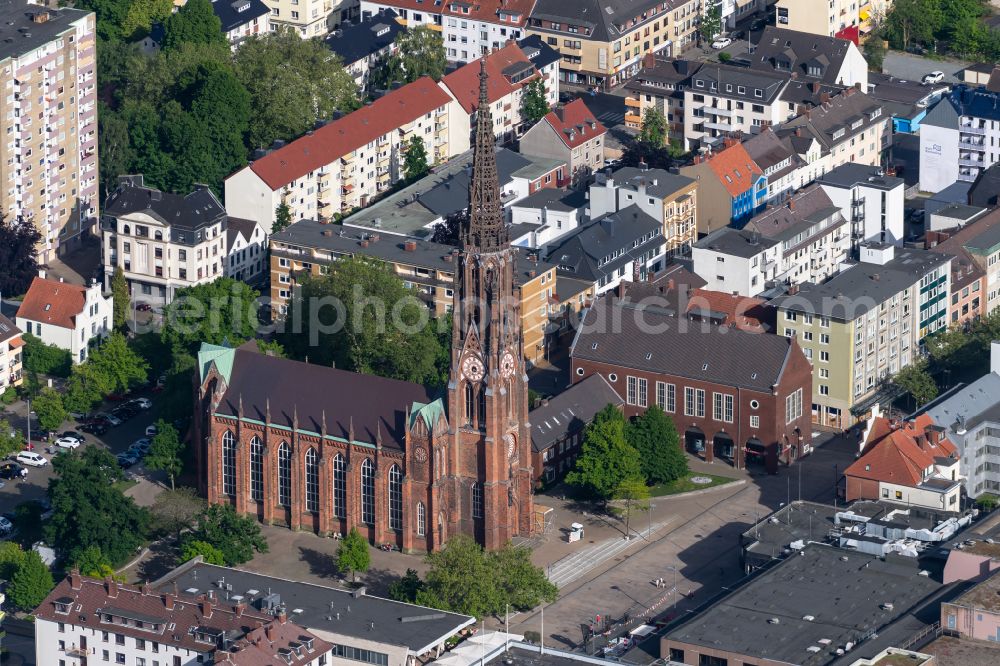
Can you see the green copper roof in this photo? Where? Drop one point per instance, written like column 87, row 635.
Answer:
column 430, row 412
column 222, row 357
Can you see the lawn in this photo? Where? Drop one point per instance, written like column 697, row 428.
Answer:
column 685, row 484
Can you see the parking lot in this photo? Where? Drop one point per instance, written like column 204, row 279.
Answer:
column 116, row 439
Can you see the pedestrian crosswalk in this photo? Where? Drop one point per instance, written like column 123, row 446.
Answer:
column 574, row 566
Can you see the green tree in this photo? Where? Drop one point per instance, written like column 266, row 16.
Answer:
column 31, row 583
column 114, row 146
column 912, row 22
column 654, row 436
column 654, row 127
column 224, row 310
column 121, row 298
column 48, row 406
column 165, row 451
column 874, row 50
column 407, row 588
column 420, row 52
column 19, row 243
column 84, row 390
column 11, row 441
column 45, row 359
column 193, row 23
column 386, row 329
column 94, row 563
column 142, row 14
column 282, row 218
column 123, row 19
column 415, row 159
column 209, row 553
column 237, row 536
column 986, row 502
column 353, row 555
column 633, row 494
column 917, row 381
column 449, row 232
column 606, row 458
column 711, row 22
column 176, row 510
column 293, row 83
column 89, row 508
column 534, row 105
column 271, row 347
column 11, row 559
column 115, row 366
column 521, row 584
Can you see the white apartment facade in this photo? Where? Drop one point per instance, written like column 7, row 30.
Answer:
column 246, row 250
column 308, row 18
column 724, row 100
column 163, row 241
column 347, row 163
column 11, row 345
column 959, row 138
column 829, row 17
column 736, row 262
column 869, row 199
column 49, row 159
column 66, row 315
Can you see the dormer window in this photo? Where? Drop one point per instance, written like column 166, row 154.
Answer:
column 757, row 92
column 698, row 83
column 63, row 605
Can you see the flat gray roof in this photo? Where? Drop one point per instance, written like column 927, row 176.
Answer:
column 851, row 174
column 325, row 608
column 806, row 607
column 19, row 34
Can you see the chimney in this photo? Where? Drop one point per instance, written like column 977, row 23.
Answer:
column 531, row 273
column 239, row 608
column 730, row 141
column 671, row 285
column 282, row 616
column 921, row 442
column 364, row 243
column 269, row 632
column 791, row 204
column 649, row 61
column 814, row 86
column 75, row 580
column 111, row 587
column 447, row 258
column 168, row 601
column 410, row 246
column 206, row 608
column 933, row 435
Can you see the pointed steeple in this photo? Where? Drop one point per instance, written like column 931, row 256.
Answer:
column 487, row 231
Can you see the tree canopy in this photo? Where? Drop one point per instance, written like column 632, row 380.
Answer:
column 121, row 299
column 31, row 583
column 379, row 328
column 654, row 436
column 11, row 441
column 415, row 159
column 293, row 83
column 420, row 52
column 215, row 312
column 48, row 406
column 917, row 381
column 194, row 23
column 654, row 127
column 176, row 510
column 353, row 556
column 19, row 242
column 606, row 458
column 236, row 536
column 89, row 509
column 46, row 359
column 165, row 451
column 534, row 105
column 711, row 21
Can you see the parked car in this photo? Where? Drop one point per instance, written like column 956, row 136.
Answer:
column 67, row 443
column 140, row 446
column 758, row 24
column 11, row 470
column 737, row 34
column 95, row 427
column 123, row 413
column 721, row 43
column 126, row 460
column 937, row 76
column 72, row 434
column 6, row 527
column 31, row 459
column 110, row 419
column 143, row 307
column 151, row 430
column 141, row 403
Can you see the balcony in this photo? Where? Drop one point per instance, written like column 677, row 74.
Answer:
column 633, row 120
column 972, row 129
column 718, row 111
column 633, row 103
column 969, row 161
column 724, row 127
column 972, row 144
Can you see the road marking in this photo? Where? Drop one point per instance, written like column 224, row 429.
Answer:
column 572, row 567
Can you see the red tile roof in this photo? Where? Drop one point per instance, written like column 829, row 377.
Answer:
column 263, row 645
column 53, row 302
column 574, row 123
column 735, row 169
column 340, row 137
column 747, row 313
column 900, row 452
column 464, row 81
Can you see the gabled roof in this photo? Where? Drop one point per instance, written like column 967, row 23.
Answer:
column 271, row 644
column 53, row 302
column 574, row 123
column 780, row 49
column 943, row 114
column 356, row 41
column 464, row 81
column 901, row 453
column 580, row 254
column 237, row 225
column 8, row 330
column 735, row 169
column 234, row 13
column 345, row 135
column 538, row 52
column 841, row 112
column 192, row 211
column 570, row 411
column 606, row 20
column 804, row 213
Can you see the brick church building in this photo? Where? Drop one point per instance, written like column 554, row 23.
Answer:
column 322, row 449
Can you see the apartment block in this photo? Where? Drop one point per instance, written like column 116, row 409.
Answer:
column 469, row 29
column 660, row 85
column 668, row 197
column 69, row 316
column 781, row 164
column 870, row 199
column 847, row 19
column 348, row 162
column 572, row 135
column 309, row 247
column 363, row 44
column 308, row 18
column 241, row 19
column 603, row 42
column 163, row 241
column 11, row 344
column 975, row 268
column 959, row 138
column 864, row 325
column 48, row 164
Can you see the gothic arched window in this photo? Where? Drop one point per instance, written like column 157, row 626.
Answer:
column 367, row 492
column 477, row 500
column 482, row 409
column 312, row 480
column 470, row 403
column 284, row 475
column 228, row 464
column 256, row 469
column 339, row 486
column 395, row 498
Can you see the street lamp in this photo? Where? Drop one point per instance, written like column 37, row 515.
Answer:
column 673, row 595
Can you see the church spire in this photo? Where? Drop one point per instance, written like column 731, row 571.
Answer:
column 486, row 231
